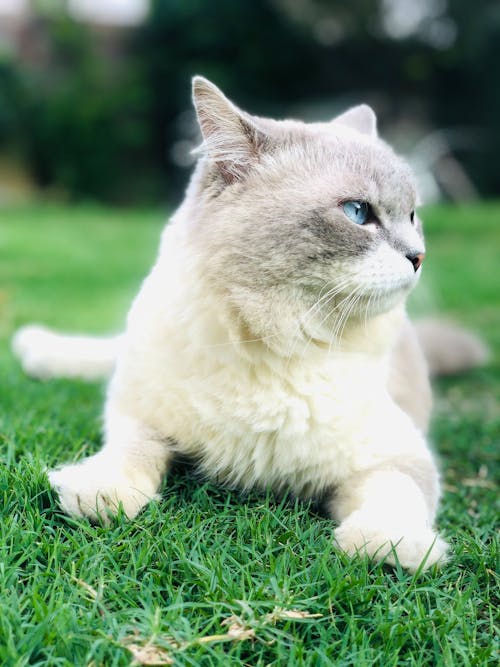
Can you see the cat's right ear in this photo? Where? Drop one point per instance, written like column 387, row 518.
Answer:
column 361, row 118
column 230, row 139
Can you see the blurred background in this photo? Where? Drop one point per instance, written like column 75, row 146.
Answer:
column 96, row 130
column 95, row 94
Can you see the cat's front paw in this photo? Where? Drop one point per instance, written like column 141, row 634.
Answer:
column 415, row 546
column 94, row 489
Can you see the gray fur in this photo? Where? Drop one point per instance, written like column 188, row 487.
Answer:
column 282, row 185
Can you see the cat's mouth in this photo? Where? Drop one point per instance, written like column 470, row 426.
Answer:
column 365, row 300
column 354, row 299
column 400, row 286
column 383, row 297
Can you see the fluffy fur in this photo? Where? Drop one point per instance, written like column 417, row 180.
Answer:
column 270, row 341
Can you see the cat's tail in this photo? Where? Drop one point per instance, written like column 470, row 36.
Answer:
column 46, row 354
column 449, row 348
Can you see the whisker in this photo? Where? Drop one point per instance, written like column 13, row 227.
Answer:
column 320, row 303
column 310, row 313
column 351, row 300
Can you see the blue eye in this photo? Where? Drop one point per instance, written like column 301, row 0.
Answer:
column 357, row 211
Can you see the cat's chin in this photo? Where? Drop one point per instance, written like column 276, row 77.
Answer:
column 376, row 301
column 368, row 308
column 380, row 302
column 381, row 298
column 368, row 304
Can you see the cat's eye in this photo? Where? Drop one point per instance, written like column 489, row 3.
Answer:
column 357, row 211
column 412, row 217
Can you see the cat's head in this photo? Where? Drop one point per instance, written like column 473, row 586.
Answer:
column 303, row 226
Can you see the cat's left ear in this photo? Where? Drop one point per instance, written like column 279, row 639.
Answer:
column 230, row 138
column 361, row 118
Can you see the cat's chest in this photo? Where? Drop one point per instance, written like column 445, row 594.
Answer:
column 295, row 400
column 285, row 423
column 265, row 428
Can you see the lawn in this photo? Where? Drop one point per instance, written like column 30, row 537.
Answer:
column 206, row 576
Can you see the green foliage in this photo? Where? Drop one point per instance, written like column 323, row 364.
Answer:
column 75, row 594
column 8, row 89
column 96, row 112
column 81, row 115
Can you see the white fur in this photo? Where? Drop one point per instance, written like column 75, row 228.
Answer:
column 376, row 526
column 306, row 422
column 280, row 403
column 45, row 354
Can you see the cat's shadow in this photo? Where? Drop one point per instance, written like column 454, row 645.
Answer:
column 190, row 485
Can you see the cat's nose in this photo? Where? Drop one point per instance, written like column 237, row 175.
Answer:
column 416, row 259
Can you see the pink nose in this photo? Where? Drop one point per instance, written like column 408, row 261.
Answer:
column 416, row 260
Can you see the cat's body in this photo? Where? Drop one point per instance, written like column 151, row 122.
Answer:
column 250, row 415
column 270, row 341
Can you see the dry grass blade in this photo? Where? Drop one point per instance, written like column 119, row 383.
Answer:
column 237, row 631
column 478, row 482
column 92, row 591
column 149, row 654
column 280, row 614
column 295, row 614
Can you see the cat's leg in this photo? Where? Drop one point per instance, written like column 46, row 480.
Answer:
column 390, row 509
column 126, row 473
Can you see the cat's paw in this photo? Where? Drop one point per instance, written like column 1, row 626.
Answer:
column 96, row 490
column 415, row 546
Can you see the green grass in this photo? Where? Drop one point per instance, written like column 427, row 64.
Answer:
column 76, row 594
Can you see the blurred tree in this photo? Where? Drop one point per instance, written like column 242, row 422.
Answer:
column 81, row 114
column 8, row 91
column 101, row 115
column 250, row 48
column 274, row 55
column 464, row 91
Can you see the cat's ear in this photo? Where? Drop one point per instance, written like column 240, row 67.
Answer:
column 361, row 118
column 230, row 138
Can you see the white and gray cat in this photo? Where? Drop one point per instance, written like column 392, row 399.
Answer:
column 270, row 340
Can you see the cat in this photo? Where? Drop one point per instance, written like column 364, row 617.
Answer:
column 270, row 341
